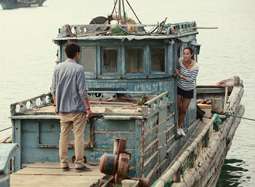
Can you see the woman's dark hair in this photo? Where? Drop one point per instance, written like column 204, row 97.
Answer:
column 191, row 51
column 71, row 49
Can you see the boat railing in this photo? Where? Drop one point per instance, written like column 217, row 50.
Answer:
column 148, row 101
column 157, row 102
column 30, row 104
column 5, row 135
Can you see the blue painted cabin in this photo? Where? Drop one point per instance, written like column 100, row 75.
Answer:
column 140, row 67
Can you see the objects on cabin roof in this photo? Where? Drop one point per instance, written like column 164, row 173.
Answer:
column 118, row 23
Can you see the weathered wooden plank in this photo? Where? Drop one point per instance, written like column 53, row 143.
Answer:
column 212, row 156
column 49, row 174
column 150, row 136
column 43, row 116
column 150, row 163
column 52, row 181
column 53, row 169
column 150, row 149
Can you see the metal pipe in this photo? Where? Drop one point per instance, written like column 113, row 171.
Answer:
column 114, row 7
column 133, row 12
column 124, row 11
column 120, row 15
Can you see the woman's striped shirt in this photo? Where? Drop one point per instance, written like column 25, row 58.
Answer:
column 189, row 83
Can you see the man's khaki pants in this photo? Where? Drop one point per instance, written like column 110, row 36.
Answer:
column 75, row 121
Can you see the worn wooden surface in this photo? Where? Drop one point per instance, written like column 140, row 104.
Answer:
column 205, row 170
column 50, row 175
column 111, row 108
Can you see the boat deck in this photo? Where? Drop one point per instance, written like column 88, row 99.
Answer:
column 50, row 175
column 128, row 109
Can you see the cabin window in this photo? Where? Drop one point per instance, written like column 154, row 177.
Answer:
column 134, row 60
column 88, row 59
column 158, row 59
column 110, row 59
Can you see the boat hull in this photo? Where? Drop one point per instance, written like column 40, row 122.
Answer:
column 209, row 177
column 200, row 163
column 210, row 145
column 12, row 4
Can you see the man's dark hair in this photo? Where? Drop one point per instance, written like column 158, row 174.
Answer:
column 71, row 50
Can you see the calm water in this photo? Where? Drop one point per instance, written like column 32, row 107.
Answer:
column 27, row 56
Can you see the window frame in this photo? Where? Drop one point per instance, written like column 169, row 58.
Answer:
column 110, row 74
column 143, row 63
column 165, row 60
column 90, row 74
column 132, row 75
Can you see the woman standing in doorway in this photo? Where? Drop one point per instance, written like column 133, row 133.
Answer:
column 186, row 71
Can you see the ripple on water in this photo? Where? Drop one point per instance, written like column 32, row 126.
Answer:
column 233, row 173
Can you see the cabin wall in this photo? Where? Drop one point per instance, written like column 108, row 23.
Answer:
column 150, row 141
column 39, row 140
column 147, row 80
column 122, row 66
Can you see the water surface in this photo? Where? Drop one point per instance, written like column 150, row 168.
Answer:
column 27, row 56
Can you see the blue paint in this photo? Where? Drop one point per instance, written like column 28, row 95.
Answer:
column 38, row 138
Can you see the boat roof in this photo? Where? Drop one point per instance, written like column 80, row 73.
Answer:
column 95, row 32
column 129, row 37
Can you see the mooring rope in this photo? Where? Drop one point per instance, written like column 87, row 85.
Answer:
column 232, row 115
column 245, row 118
column 2, row 130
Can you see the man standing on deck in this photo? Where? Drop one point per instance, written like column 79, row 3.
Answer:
column 70, row 97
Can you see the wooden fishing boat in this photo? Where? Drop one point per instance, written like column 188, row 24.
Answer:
column 131, row 140
column 11, row 4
